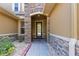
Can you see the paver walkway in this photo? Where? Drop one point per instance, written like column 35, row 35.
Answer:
column 39, row 48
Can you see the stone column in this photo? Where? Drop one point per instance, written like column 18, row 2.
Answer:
column 27, row 23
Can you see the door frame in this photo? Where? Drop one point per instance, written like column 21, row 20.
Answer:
column 36, row 29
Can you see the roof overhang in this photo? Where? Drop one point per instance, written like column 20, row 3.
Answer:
column 48, row 8
column 9, row 14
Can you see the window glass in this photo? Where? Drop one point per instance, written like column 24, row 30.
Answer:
column 16, row 6
column 22, row 30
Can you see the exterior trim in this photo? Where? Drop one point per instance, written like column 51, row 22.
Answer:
column 72, row 42
column 37, row 13
column 23, row 7
column 74, row 20
column 48, row 28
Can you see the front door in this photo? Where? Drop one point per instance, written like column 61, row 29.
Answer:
column 38, row 29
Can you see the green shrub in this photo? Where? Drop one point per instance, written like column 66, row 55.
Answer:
column 6, row 46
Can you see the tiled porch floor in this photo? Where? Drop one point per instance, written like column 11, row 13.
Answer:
column 39, row 48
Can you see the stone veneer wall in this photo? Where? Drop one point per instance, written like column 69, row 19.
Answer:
column 27, row 23
column 28, row 30
column 30, row 8
column 58, row 47
column 12, row 37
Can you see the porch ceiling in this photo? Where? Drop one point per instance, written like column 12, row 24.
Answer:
column 38, row 16
column 48, row 8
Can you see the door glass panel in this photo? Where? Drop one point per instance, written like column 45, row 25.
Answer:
column 39, row 29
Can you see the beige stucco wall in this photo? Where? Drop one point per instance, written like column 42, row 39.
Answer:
column 8, row 24
column 60, row 20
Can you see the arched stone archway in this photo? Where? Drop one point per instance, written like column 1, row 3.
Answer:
column 41, row 20
column 28, row 20
column 39, row 17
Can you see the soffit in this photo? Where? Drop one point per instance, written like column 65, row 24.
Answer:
column 48, row 8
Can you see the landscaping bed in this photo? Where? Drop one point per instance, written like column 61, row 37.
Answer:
column 6, row 46
column 21, row 48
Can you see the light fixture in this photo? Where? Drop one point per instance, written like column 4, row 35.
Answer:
column 38, row 15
